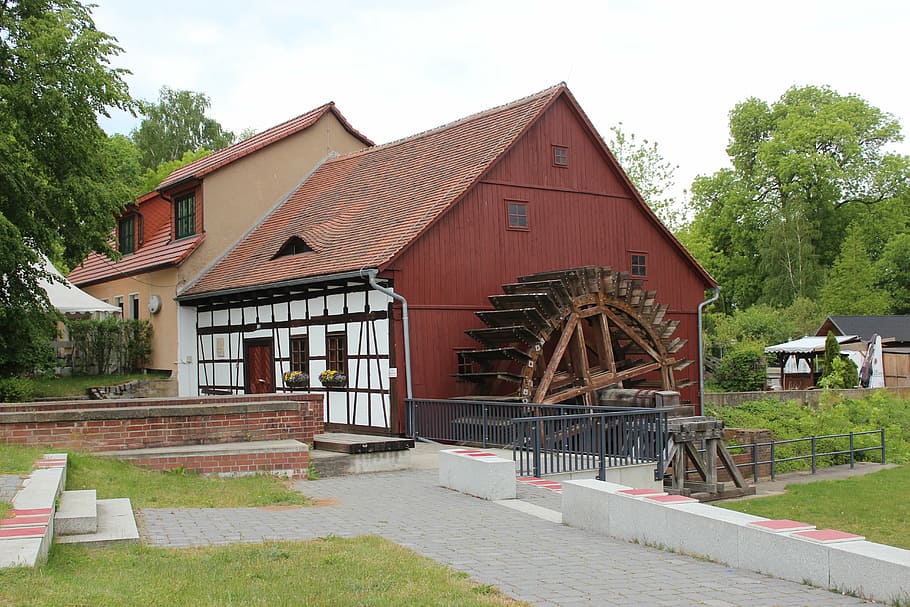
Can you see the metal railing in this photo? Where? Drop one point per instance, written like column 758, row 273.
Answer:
column 593, row 440
column 476, row 422
column 813, row 455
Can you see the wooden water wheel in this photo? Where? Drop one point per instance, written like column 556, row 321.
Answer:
column 562, row 336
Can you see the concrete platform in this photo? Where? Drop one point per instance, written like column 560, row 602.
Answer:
column 116, row 524
column 77, row 513
column 360, row 443
column 40, row 489
column 23, row 552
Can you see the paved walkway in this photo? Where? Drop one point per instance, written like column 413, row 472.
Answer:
column 527, row 557
column 9, row 484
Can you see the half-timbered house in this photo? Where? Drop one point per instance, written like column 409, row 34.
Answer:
column 445, row 219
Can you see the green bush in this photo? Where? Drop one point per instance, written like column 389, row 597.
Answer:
column 742, row 369
column 15, row 390
column 834, row 415
column 842, row 373
column 110, row 345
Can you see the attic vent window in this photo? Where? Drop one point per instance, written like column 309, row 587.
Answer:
column 560, row 156
column 294, row 246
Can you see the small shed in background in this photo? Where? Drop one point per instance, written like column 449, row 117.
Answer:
column 895, row 336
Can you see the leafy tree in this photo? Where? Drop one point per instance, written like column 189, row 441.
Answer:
column 153, row 177
column 760, row 324
column 838, row 371
column 832, row 351
column 805, row 315
column 177, row 124
column 893, row 271
column 851, row 286
column 59, row 188
column 651, row 174
column 803, row 169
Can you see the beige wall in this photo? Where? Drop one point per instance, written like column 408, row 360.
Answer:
column 236, row 197
column 164, row 324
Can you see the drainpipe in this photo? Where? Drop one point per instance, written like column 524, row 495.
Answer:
column 371, row 274
column 701, row 350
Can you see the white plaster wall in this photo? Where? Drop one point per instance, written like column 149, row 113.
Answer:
column 366, row 409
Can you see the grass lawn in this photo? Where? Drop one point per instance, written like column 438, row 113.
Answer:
column 148, row 488
column 875, row 505
column 77, row 385
column 365, row 571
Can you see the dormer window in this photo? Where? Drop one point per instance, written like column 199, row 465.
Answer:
column 126, row 235
column 184, row 216
column 294, row 246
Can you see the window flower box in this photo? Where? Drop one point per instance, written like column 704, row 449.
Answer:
column 330, row 378
column 296, row 379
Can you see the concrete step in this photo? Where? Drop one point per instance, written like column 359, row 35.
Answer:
column 116, row 524
column 360, row 443
column 332, row 463
column 77, row 513
column 283, row 457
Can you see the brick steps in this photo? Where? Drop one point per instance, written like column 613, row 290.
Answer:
column 282, row 457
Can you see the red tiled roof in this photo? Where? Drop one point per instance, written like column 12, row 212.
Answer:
column 156, row 252
column 361, row 209
column 225, row 156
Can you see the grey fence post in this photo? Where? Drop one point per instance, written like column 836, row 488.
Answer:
column 754, row 463
column 484, row 430
column 773, row 460
column 602, row 450
column 813, row 455
column 882, row 432
column 851, row 451
column 536, row 446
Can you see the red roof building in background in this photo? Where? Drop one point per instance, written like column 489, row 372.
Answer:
column 168, row 236
column 445, row 218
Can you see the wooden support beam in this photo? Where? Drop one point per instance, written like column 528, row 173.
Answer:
column 556, row 358
column 730, row 465
column 633, row 335
column 711, row 457
column 700, row 466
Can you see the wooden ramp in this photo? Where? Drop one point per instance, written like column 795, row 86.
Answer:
column 360, row 443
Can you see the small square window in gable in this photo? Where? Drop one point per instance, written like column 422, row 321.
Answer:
column 560, row 156
column 639, row 265
column 293, row 246
column 517, row 215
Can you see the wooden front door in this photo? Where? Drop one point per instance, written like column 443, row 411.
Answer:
column 260, row 366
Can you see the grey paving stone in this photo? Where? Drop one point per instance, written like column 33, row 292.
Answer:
column 544, row 563
column 9, row 483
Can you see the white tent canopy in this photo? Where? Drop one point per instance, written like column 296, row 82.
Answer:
column 806, row 345
column 68, row 298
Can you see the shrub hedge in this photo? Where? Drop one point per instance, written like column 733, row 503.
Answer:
column 833, row 415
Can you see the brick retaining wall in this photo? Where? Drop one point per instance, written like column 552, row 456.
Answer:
column 238, row 464
column 147, row 423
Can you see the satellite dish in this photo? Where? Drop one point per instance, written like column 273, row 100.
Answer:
column 154, row 304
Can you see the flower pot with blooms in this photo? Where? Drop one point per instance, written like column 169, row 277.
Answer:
column 330, row 378
column 295, row 379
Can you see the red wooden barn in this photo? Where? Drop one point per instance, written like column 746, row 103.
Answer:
column 531, row 267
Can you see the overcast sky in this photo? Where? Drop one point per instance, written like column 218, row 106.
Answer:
column 669, row 71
